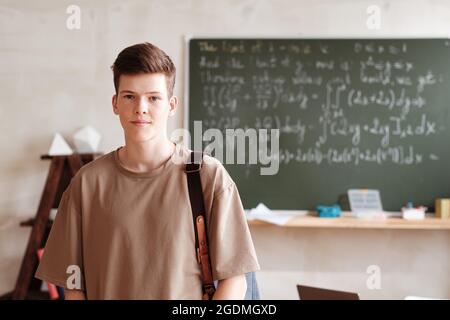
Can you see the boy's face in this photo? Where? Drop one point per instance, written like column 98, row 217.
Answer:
column 143, row 106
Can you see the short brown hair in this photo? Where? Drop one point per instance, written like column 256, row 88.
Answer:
column 144, row 58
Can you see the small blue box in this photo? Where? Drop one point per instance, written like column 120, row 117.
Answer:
column 329, row 212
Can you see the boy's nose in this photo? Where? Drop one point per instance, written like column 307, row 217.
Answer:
column 142, row 107
column 141, row 111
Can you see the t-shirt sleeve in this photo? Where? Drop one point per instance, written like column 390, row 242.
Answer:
column 62, row 258
column 231, row 247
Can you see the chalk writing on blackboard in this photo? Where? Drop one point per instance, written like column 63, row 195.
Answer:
column 378, row 82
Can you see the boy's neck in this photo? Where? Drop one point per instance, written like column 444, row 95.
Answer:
column 145, row 156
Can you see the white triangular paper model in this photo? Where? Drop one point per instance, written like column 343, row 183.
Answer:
column 59, row 146
column 86, row 140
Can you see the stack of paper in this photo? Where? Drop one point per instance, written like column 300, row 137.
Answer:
column 278, row 217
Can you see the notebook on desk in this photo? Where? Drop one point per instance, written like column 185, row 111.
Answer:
column 312, row 293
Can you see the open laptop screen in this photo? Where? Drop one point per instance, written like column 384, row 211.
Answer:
column 312, row 293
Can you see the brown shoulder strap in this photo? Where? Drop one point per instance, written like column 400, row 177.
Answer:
column 199, row 214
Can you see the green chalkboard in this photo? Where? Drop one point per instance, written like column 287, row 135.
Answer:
column 351, row 113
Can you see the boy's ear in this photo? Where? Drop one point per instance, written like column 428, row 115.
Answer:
column 173, row 104
column 114, row 102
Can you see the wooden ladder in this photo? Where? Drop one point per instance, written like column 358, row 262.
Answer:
column 62, row 169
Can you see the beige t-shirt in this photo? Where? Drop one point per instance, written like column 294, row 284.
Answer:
column 132, row 234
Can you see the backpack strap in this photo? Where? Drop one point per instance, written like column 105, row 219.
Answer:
column 199, row 213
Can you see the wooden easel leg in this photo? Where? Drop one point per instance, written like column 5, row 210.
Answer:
column 30, row 259
column 75, row 163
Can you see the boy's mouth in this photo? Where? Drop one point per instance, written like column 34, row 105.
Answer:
column 141, row 123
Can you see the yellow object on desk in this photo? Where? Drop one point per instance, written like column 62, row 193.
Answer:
column 443, row 208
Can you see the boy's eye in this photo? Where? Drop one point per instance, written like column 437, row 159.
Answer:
column 128, row 97
column 153, row 99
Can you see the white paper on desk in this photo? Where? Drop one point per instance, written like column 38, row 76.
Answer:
column 261, row 212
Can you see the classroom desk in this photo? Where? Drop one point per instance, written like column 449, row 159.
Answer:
column 311, row 220
column 336, row 253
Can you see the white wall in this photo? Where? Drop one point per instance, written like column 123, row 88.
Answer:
column 55, row 80
column 409, row 262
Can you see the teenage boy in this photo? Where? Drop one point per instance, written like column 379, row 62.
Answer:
column 124, row 228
